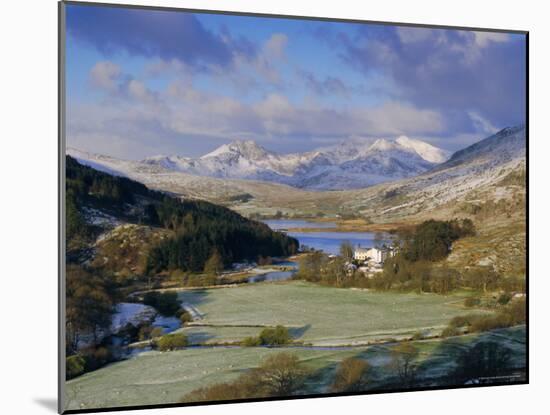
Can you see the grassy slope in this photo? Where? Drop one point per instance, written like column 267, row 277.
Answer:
column 499, row 244
column 156, row 378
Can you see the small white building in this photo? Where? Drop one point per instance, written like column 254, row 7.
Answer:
column 375, row 255
column 361, row 254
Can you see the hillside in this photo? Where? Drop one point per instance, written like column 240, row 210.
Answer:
column 477, row 172
column 111, row 218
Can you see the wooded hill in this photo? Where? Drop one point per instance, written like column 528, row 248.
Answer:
column 199, row 228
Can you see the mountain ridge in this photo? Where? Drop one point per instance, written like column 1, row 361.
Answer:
column 349, row 165
column 445, row 183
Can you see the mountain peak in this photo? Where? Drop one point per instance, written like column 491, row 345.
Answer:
column 382, row 144
column 426, row 151
column 246, row 148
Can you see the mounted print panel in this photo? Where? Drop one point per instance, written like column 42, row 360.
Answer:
column 263, row 207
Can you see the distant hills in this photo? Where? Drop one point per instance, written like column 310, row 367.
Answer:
column 477, row 174
column 354, row 163
column 469, row 174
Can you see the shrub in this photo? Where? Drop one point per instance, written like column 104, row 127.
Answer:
column 185, row 317
column 462, row 321
column 404, row 363
column 274, row 336
column 512, row 314
column 504, row 298
column 75, row 366
column 279, row 375
column 450, row 332
column 486, row 323
column 102, row 356
column 219, row 392
column 251, row 342
column 156, row 332
column 517, row 311
column 472, row 302
column 178, row 275
column 144, row 332
column 270, row 336
column 351, row 376
column 96, row 357
column 172, row 342
column 418, row 335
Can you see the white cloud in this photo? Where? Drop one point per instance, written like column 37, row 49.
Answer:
column 482, row 124
column 248, row 72
column 264, row 65
column 131, row 112
column 483, row 39
column 105, row 75
column 276, row 45
column 476, row 42
column 183, row 111
column 138, row 90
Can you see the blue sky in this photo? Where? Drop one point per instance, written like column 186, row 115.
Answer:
column 146, row 82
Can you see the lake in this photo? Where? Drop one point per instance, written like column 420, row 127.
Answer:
column 329, row 242
column 273, row 276
column 278, row 224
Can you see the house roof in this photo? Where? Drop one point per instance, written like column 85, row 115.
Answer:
column 362, row 250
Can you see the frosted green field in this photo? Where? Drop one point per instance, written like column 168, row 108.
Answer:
column 160, row 378
column 322, row 316
column 155, row 378
column 317, row 315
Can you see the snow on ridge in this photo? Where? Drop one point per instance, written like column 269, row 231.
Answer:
column 355, row 163
column 427, row 151
column 333, row 167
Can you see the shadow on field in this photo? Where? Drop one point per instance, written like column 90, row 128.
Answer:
column 486, row 358
column 496, row 357
column 322, row 376
column 199, row 337
column 193, row 299
column 297, row 332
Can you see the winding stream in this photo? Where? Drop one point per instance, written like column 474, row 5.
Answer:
column 327, row 241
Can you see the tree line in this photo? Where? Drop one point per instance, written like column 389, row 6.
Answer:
column 417, row 264
column 205, row 231
column 201, row 229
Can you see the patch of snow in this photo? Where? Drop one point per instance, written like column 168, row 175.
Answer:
column 168, row 324
column 132, row 313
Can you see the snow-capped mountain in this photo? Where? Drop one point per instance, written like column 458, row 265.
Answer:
column 505, row 145
column 355, row 163
column 424, row 150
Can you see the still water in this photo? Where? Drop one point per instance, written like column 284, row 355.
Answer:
column 328, row 242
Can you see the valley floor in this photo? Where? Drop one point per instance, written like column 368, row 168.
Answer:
column 329, row 324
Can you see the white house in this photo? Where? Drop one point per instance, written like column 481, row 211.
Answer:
column 376, row 255
column 361, row 254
